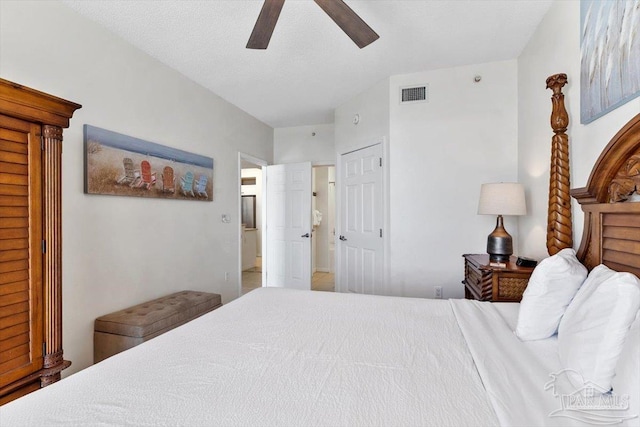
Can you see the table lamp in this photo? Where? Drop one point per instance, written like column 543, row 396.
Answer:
column 502, row 198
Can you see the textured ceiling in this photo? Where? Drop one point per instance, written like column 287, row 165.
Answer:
column 311, row 66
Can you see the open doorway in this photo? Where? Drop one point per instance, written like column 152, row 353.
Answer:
column 251, row 222
column 252, row 209
column 323, row 243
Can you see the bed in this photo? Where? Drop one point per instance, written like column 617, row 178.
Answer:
column 286, row 357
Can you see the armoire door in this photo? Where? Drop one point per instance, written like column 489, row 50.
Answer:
column 21, row 248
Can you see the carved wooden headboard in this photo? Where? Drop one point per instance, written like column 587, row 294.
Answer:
column 611, row 233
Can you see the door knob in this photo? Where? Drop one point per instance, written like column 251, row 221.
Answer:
column 344, row 239
column 305, row 235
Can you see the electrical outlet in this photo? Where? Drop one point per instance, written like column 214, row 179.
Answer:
column 226, row 276
column 437, row 292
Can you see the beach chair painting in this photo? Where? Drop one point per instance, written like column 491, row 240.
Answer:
column 130, row 174
column 168, row 180
column 200, row 186
column 121, row 165
column 186, row 184
column 147, row 178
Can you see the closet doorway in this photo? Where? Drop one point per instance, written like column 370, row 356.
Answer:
column 323, row 213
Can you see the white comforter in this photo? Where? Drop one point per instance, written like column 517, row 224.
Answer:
column 284, row 357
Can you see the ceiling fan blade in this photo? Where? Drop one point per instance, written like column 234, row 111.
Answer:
column 265, row 24
column 349, row 21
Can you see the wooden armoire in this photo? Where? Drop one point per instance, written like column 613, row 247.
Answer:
column 31, row 124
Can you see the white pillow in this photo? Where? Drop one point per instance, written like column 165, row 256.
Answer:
column 595, row 325
column 551, row 288
column 627, row 379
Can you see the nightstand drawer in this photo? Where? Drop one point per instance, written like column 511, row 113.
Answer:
column 486, row 283
column 477, row 281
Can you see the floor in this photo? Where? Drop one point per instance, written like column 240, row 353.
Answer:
column 252, row 279
column 323, row 282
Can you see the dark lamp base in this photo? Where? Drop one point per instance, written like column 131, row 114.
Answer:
column 499, row 258
column 499, row 243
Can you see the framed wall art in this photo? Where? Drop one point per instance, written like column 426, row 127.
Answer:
column 610, row 56
column 121, row 165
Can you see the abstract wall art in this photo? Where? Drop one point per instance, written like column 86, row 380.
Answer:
column 610, row 56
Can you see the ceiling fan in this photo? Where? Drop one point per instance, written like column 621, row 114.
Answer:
column 343, row 15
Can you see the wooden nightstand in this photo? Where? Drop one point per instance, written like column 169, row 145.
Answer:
column 486, row 283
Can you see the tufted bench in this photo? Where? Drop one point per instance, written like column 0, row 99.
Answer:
column 127, row 328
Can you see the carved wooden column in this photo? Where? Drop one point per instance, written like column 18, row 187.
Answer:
column 559, row 232
column 52, row 262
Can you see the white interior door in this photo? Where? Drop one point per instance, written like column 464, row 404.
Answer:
column 288, row 225
column 361, row 221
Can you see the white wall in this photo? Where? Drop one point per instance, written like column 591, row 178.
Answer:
column 119, row 251
column 441, row 151
column 372, row 107
column 298, row 144
column 555, row 48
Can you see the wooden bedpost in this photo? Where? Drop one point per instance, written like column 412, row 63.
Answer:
column 559, row 232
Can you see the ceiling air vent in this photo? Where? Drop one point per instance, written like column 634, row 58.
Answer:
column 414, row 94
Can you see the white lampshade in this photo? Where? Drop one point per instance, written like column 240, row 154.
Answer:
column 502, row 198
